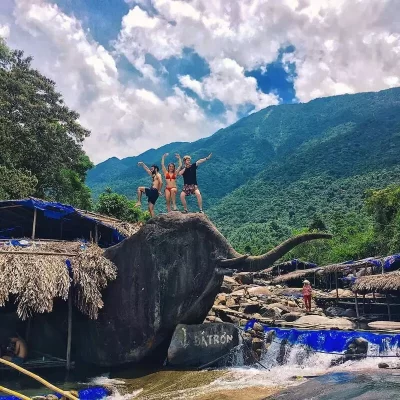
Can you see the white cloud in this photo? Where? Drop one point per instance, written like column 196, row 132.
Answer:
column 341, row 46
column 124, row 119
column 4, row 31
column 228, row 83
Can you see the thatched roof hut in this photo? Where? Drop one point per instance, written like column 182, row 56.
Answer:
column 382, row 283
column 34, row 276
column 299, row 274
column 332, row 268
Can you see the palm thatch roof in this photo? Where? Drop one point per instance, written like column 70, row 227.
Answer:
column 46, row 270
column 300, row 273
column 382, row 283
column 329, row 269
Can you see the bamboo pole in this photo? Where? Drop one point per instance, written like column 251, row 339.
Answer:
column 96, row 234
column 69, row 337
column 34, row 223
column 13, row 393
column 39, row 379
column 357, row 312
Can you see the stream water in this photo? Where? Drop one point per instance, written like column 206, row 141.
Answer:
column 301, row 374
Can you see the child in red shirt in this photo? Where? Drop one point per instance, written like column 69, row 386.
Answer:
column 307, row 291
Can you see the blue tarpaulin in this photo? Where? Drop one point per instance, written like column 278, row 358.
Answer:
column 54, row 221
column 330, row 341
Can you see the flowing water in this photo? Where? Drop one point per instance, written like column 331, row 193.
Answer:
column 301, row 373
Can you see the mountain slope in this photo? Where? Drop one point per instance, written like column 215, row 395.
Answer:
column 279, row 167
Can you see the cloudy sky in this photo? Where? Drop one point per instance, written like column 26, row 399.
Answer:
column 143, row 73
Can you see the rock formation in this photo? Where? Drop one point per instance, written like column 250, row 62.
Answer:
column 168, row 273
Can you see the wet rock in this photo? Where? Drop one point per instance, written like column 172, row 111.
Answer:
column 292, row 316
column 230, row 302
column 257, row 344
column 383, row 365
column 258, row 327
column 251, row 308
column 244, row 278
column 196, row 345
column 350, row 313
column 335, row 311
column 271, row 312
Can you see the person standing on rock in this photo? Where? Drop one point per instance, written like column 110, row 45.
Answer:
column 189, row 173
column 170, row 176
column 307, row 292
column 152, row 192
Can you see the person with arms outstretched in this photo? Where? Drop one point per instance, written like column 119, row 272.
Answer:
column 152, row 192
column 189, row 173
column 170, row 175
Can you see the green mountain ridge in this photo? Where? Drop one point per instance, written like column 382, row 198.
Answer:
column 274, row 170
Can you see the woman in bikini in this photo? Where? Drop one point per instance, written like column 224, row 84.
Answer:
column 170, row 176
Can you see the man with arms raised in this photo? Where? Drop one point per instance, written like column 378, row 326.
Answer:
column 189, row 173
column 152, row 192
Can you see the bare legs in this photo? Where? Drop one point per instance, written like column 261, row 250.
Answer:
column 199, row 199
column 168, row 199
column 140, row 191
column 183, row 200
column 151, row 209
column 173, row 198
column 198, row 196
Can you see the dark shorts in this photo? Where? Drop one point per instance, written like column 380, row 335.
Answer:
column 152, row 195
column 17, row 360
column 189, row 189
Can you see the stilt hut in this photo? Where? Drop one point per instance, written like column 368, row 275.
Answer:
column 52, row 270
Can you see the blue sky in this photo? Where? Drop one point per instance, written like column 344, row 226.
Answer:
column 143, row 73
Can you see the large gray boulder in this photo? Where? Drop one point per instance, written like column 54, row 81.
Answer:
column 169, row 273
column 198, row 345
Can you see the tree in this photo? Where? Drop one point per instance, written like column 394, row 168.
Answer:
column 16, row 183
column 39, row 133
column 384, row 206
column 118, row 206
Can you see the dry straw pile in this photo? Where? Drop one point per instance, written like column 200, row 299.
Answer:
column 36, row 279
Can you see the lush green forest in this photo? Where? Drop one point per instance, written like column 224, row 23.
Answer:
column 41, row 142
column 290, row 168
column 330, row 164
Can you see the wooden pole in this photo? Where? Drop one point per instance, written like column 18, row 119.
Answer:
column 96, row 234
column 363, row 303
column 314, row 279
column 39, row 253
column 330, row 281
column 337, row 289
column 357, row 312
column 69, row 337
column 388, row 306
column 34, row 223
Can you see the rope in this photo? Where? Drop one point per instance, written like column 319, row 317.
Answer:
column 13, row 393
column 39, row 379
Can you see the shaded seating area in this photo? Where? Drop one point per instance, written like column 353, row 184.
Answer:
column 38, row 219
column 44, row 286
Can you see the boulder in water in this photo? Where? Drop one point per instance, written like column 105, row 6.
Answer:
column 197, row 345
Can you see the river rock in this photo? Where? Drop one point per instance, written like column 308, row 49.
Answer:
column 251, row 308
column 197, row 345
column 259, row 291
column 325, row 322
column 291, row 317
column 271, row 312
column 335, row 311
column 244, row 278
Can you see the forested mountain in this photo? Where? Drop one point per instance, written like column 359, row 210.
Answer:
column 286, row 167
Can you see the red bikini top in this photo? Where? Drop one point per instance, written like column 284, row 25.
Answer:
column 168, row 176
